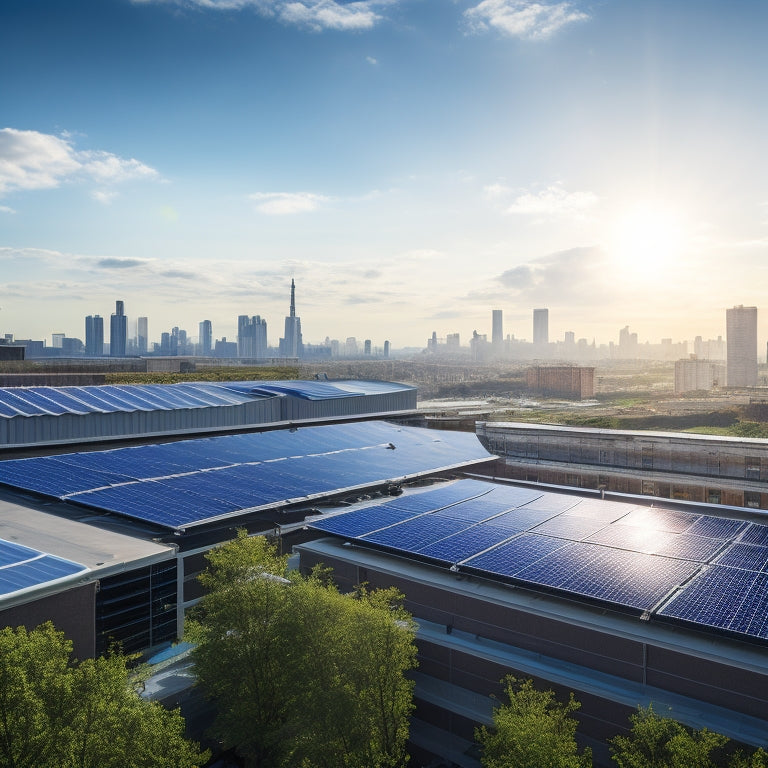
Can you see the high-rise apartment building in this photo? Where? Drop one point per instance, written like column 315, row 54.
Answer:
column 541, row 326
column 497, row 331
column 291, row 345
column 94, row 336
column 741, row 343
column 142, row 336
column 205, row 338
column 251, row 336
column 118, row 331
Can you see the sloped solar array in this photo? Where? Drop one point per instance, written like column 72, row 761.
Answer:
column 638, row 558
column 191, row 482
column 318, row 390
column 57, row 401
column 22, row 567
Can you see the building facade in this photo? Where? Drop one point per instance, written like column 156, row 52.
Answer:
column 291, row 345
column 561, row 380
column 698, row 375
column 741, row 341
column 94, row 336
column 118, row 331
column 541, row 326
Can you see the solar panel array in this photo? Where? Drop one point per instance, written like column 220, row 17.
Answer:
column 22, row 567
column 57, row 401
column 191, row 482
column 319, row 390
column 697, row 568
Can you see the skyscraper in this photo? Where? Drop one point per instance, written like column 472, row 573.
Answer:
column 142, row 336
column 497, row 331
column 541, row 326
column 291, row 344
column 251, row 336
column 94, row 335
column 118, row 331
column 741, row 342
column 205, row 338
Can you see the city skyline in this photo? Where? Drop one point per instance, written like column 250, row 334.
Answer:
column 410, row 169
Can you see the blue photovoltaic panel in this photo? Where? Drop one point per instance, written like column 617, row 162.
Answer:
column 687, row 546
column 717, row 527
column 631, row 537
column 193, row 481
column 670, row 520
column 465, row 544
column 440, row 496
column 748, row 557
column 415, row 533
column 361, row 521
column 573, row 528
column 599, row 509
column 725, row 598
column 755, row 534
column 520, row 519
column 519, row 553
column 22, row 567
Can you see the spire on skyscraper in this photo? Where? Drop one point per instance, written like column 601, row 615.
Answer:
column 293, row 299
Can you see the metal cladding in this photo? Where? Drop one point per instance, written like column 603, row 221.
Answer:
column 46, row 415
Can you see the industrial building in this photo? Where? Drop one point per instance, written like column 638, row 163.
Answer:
column 666, row 465
column 571, row 381
column 698, row 375
column 40, row 416
column 623, row 604
column 108, row 544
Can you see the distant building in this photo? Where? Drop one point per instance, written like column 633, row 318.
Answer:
column 453, row 342
column 205, row 338
column 142, row 336
column 386, row 349
column 224, row 348
column 711, row 349
column 251, row 336
column 118, row 331
column 94, row 336
column 562, row 380
column 367, row 347
column 291, row 344
column 694, row 375
column 541, row 326
column 497, row 331
column 741, row 341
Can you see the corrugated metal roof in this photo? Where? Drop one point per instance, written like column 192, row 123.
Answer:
column 319, row 390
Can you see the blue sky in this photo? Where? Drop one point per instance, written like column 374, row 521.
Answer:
column 411, row 164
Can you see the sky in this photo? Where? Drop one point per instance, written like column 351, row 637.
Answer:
column 412, row 164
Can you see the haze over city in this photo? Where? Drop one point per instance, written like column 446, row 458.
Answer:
column 412, row 165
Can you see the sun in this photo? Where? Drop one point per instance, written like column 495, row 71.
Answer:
column 647, row 239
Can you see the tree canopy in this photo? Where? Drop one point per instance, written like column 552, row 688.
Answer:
column 59, row 713
column 532, row 730
column 301, row 674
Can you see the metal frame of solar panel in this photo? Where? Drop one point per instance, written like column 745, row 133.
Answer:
column 166, row 484
column 639, row 559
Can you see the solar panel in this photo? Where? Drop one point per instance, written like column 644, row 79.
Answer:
column 717, row 527
column 23, row 567
column 573, row 528
column 194, row 481
column 660, row 519
column 755, row 534
column 361, row 521
column 519, row 553
column 465, row 544
column 748, row 557
column 729, row 599
column 415, row 533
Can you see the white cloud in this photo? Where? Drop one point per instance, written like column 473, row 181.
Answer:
column 104, row 196
column 554, row 201
column 283, row 203
column 6, row 209
column 316, row 15
column 32, row 160
column 373, row 62
column 522, row 18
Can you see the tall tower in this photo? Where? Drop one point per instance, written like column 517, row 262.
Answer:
column 94, row 335
column 541, row 326
column 142, row 335
column 205, row 338
column 118, row 331
column 497, row 331
column 741, row 342
column 291, row 344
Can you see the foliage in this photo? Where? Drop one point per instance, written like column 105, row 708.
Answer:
column 63, row 714
column 758, row 759
column 302, row 675
column 214, row 373
column 533, row 730
column 660, row 742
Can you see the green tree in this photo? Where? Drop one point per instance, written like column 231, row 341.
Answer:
column 660, row 742
column 532, row 730
column 59, row 713
column 302, row 675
